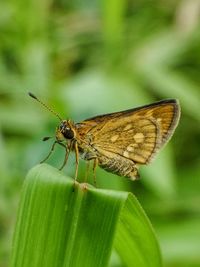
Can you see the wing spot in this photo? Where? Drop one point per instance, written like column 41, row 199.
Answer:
column 139, row 137
column 114, row 138
column 126, row 154
column 128, row 127
column 139, row 158
column 131, row 147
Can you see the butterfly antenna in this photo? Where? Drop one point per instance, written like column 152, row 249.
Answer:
column 44, row 105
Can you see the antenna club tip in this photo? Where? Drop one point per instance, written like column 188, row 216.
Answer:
column 44, row 105
column 32, row 95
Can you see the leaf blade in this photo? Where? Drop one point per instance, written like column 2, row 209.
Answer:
column 135, row 239
column 62, row 225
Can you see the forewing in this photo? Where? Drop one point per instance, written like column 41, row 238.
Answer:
column 135, row 134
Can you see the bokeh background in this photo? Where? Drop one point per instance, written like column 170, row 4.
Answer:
column 89, row 57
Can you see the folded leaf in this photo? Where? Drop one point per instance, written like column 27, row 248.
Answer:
column 65, row 224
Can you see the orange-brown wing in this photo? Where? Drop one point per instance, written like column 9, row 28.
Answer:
column 136, row 134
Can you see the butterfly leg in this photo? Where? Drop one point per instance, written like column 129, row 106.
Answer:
column 87, row 170
column 68, row 149
column 95, row 164
column 52, row 149
column 77, row 160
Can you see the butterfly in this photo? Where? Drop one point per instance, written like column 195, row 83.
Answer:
column 119, row 142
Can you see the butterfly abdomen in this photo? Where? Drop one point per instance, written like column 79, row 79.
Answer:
column 118, row 165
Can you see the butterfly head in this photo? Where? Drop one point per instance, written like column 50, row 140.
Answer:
column 65, row 131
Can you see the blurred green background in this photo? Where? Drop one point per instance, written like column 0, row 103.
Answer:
column 88, row 57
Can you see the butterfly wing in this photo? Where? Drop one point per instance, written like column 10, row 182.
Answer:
column 136, row 134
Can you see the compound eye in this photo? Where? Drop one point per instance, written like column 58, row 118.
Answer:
column 68, row 133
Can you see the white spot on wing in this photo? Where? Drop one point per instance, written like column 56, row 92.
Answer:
column 126, row 154
column 128, row 127
column 114, row 138
column 139, row 137
column 131, row 147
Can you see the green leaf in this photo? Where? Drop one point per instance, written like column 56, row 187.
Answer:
column 65, row 224
column 135, row 241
